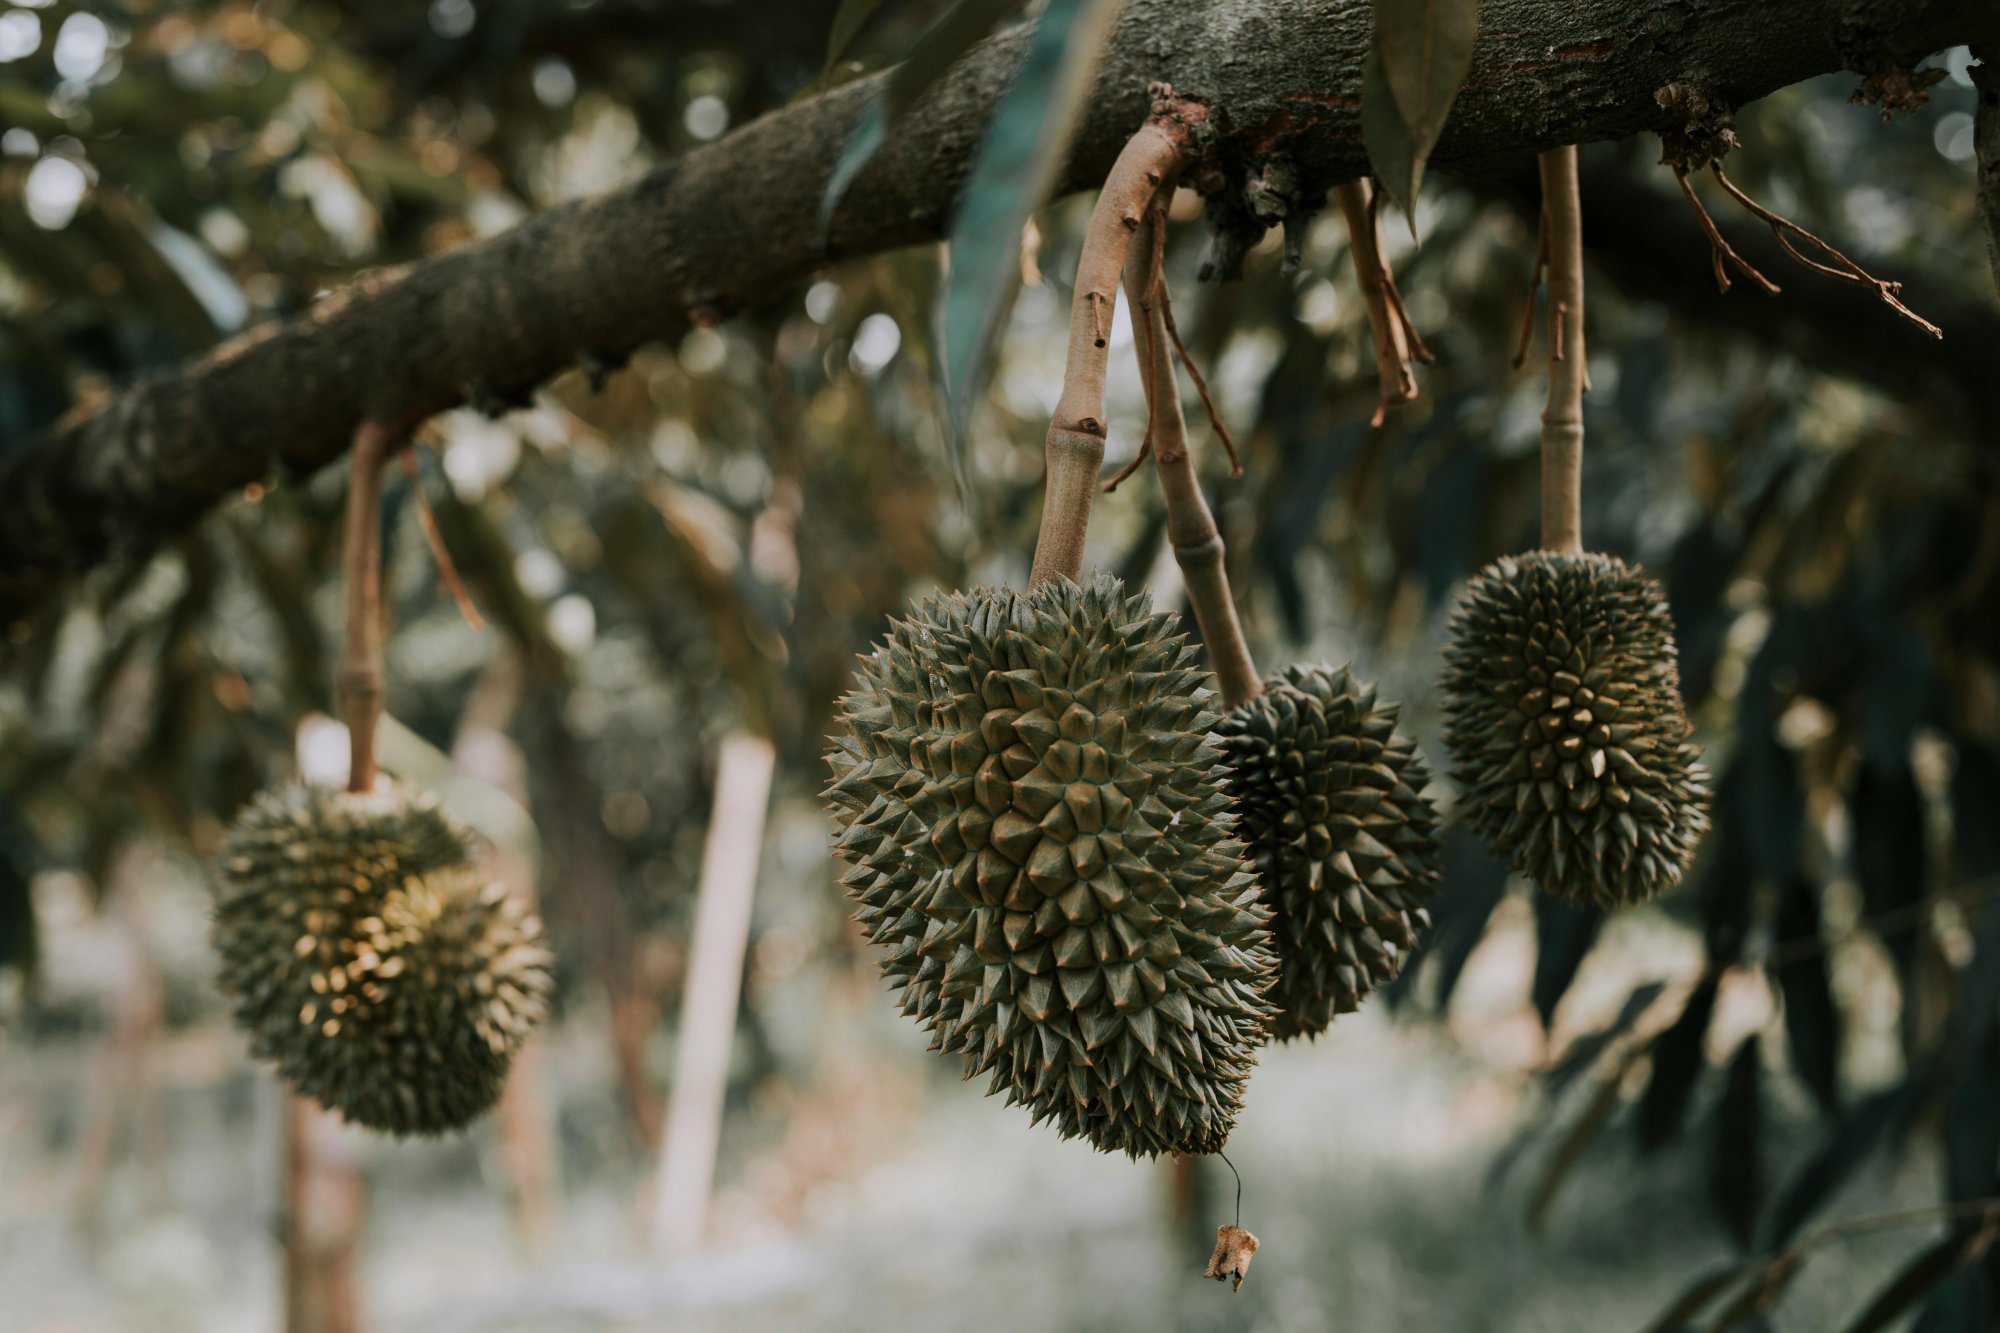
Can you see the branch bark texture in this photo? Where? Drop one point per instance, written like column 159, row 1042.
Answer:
column 734, row 223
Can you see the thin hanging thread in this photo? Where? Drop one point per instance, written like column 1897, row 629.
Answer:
column 1238, row 1223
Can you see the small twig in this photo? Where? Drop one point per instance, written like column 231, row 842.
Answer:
column 1239, row 1185
column 1396, row 383
column 1419, row 350
column 447, row 571
column 1562, row 418
column 1200, row 384
column 1842, row 267
column 1720, row 249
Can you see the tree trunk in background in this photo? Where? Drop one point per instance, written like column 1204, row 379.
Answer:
column 324, row 1207
column 714, row 982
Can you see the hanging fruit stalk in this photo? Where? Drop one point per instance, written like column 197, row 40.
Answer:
column 1196, row 541
column 364, row 951
column 1074, row 448
column 1562, row 416
column 1025, row 791
column 1562, row 697
column 1327, row 794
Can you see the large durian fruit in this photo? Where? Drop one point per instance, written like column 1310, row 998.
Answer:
column 367, row 957
column 1566, row 729
column 1040, row 847
column 1328, row 797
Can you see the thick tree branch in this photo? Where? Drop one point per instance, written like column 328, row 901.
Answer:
column 735, row 223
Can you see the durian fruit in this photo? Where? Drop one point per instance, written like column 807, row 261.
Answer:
column 1327, row 796
column 368, row 959
column 1566, row 728
column 1040, row 847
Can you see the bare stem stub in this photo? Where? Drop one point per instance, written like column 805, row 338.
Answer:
column 1197, row 542
column 1396, row 339
column 1562, row 418
column 361, row 665
column 1150, row 161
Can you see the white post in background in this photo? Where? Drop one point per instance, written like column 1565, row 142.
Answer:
column 708, row 1006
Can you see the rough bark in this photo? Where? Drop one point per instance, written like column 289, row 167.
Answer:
column 733, row 223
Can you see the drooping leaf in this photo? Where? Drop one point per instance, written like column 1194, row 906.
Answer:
column 1922, row 1275
column 1011, row 176
column 1424, row 48
column 1812, row 1020
column 1603, row 1101
column 1392, row 153
column 1563, row 935
column 929, row 58
column 1737, row 1180
column 1677, row 1065
column 1891, row 858
column 1583, row 1052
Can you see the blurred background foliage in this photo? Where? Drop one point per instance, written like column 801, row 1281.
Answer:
column 1605, row 1109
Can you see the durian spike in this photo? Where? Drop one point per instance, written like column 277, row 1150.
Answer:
column 361, row 664
column 1197, row 542
column 1074, row 448
column 1562, row 418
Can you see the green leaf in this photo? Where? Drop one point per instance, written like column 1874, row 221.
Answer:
column 1423, row 49
column 929, row 58
column 848, row 21
column 1563, row 935
column 1013, row 173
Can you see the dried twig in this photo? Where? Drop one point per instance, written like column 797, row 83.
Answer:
column 447, row 571
column 1842, row 268
column 1388, row 324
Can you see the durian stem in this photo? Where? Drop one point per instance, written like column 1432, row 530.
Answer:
column 1197, row 542
column 361, row 667
column 1562, row 419
column 1074, row 449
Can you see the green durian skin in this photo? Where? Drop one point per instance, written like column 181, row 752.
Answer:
column 1328, row 797
column 1566, row 729
column 369, row 960
column 1040, row 848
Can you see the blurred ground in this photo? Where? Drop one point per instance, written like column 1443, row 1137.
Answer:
column 888, row 1195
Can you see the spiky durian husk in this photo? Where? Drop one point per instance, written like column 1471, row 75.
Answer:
column 1566, row 728
column 369, row 960
column 1327, row 796
column 1040, row 847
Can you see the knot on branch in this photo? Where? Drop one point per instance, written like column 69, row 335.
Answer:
column 1706, row 131
column 1896, row 90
